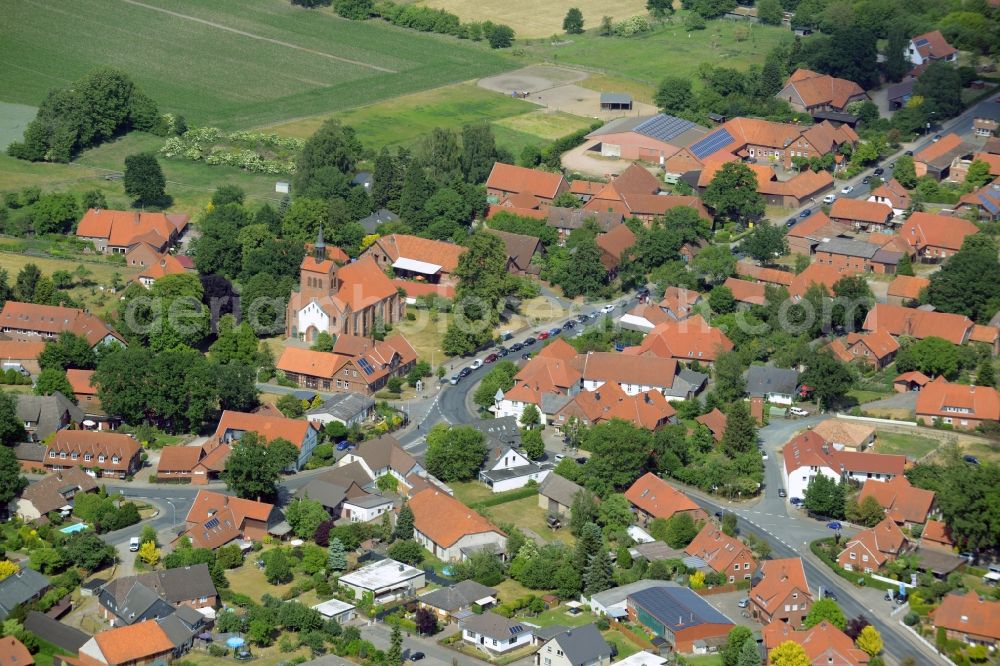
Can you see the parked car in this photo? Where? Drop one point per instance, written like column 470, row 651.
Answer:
column 878, row 171
column 937, row 137
column 595, row 315
column 642, row 293
column 782, row 493
column 581, row 460
column 582, row 318
column 830, row 198
column 607, row 309
column 502, row 351
column 797, row 501
column 529, row 341
column 743, row 603
column 763, row 454
column 544, row 335
column 570, row 324
column 133, row 544
column 791, row 222
column 507, row 335
column 478, row 363
column 828, row 594
column 555, row 331
column 972, row 460
column 847, row 189
column 866, row 180
column 834, row 525
column 909, row 153
column 464, row 372
column 492, row 358
column 806, row 213
column 526, row 356
column 798, row 411
column 343, row 445
column 416, row 656
column 559, row 458
column 516, row 347
column 455, row 379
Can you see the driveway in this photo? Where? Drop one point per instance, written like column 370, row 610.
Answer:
column 590, row 163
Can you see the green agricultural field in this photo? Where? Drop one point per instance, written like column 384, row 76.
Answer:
column 13, row 119
column 230, row 63
column 667, row 50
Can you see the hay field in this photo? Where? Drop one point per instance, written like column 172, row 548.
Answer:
column 231, row 63
column 530, row 18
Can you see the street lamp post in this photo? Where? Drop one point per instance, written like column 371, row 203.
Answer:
column 174, row 523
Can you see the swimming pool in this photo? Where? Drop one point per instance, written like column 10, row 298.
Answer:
column 70, row 529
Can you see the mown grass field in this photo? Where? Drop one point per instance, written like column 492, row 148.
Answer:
column 538, row 19
column 911, row 446
column 231, row 63
column 668, row 49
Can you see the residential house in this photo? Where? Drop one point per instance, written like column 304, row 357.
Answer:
column 824, row 644
column 233, row 425
column 636, row 193
column 44, row 415
column 13, row 653
column 499, row 432
column 215, row 519
column 807, row 91
column 384, row 455
column 992, row 160
column 577, row 646
column 862, row 215
column 506, row 468
column 929, row 47
column 337, row 610
column 846, row 435
column 348, row 409
column 854, row 256
column 133, row 645
column 651, row 139
column 556, row 494
column 343, row 297
column 386, row 580
column 614, row 245
column 506, row 180
column 903, row 503
column 910, row 381
column 30, row 321
column 567, row 220
column 893, row 195
column 681, row 617
column 810, row 232
column 744, row 291
column 642, row 658
column 790, row 193
column 984, row 202
column 82, row 383
column 455, row 602
column 782, row 593
column 54, row 493
column 775, row 385
column 678, row 303
column 165, row 264
column 649, row 410
column 415, row 257
column 936, row 237
column 368, row 507
column 905, row 289
column 524, row 253
column 636, row 374
column 356, row 364
column 715, row 421
column 551, row 376
column 947, row 159
column 691, row 339
column 808, row 455
column 985, row 122
column 969, row 618
column 451, row 530
column 18, row 588
column 869, row 549
column 197, row 464
column 937, row 535
column 961, row 406
column 106, row 454
column 775, row 276
column 876, row 349
column 376, row 219
column 919, row 324
column 495, row 634
column 115, row 231
column 655, row 498
column 643, row 317
column 55, row 632
column 585, row 189
column 157, row 594
column 21, row 356
column 334, row 487
column 724, row 554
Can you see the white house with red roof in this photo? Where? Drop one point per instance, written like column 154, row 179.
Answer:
column 928, row 47
column 808, row 455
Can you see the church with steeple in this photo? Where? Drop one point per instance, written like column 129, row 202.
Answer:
column 340, row 295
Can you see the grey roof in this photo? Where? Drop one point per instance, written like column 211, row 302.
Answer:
column 48, row 411
column 504, row 430
column 362, row 178
column 987, row 111
column 330, row 495
column 381, row 216
column 493, row 625
column 582, row 645
column 938, row 562
column 50, row 494
column 189, row 616
column 344, row 406
column 762, row 380
column 661, row 127
column 516, row 472
column 889, row 257
column 573, row 218
column 134, row 594
column 695, row 380
column 616, row 98
column 617, row 595
column 179, row 633
column 20, row 587
column 551, row 631
column 345, row 475
column 386, row 451
column 848, row 247
column 559, row 488
column 944, row 160
column 61, row 635
column 30, row 451
column 553, row 402
column 457, row 596
column 901, row 89
column 656, row 550
column 370, row 501
column 678, row 608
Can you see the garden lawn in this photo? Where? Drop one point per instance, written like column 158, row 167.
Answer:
column 13, row 119
column 911, row 446
column 269, row 656
column 667, row 49
column 626, row 648
column 233, row 63
column 558, row 615
column 984, row 450
column 863, row 395
column 45, row 653
column 526, row 514
column 510, row 590
column 705, row 660
column 470, row 492
column 250, row 580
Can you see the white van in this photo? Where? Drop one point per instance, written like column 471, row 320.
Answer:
column 133, row 544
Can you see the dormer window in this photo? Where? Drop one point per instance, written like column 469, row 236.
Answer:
column 115, row 460
column 87, row 457
column 100, row 458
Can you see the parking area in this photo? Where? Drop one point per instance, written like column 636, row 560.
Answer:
column 727, row 603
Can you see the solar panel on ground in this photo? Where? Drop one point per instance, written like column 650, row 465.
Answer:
column 712, row 143
column 663, row 127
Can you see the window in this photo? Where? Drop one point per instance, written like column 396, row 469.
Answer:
column 864, row 558
column 52, row 454
column 746, row 565
column 87, row 457
column 100, row 458
column 115, row 460
column 75, row 455
column 62, row 455
column 795, row 595
column 736, row 567
column 854, row 556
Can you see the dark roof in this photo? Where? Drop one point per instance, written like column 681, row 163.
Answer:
column 573, row 218
column 134, row 594
column 493, row 625
column 47, row 411
column 457, row 596
column 362, row 178
column 344, row 406
column 901, row 89
column 582, row 645
column 61, row 635
column 677, row 608
column 616, row 98
column 938, row 562
column 559, row 488
column 551, row 631
column 381, row 216
column 330, row 495
column 987, row 111
column 179, row 633
column 504, row 430
column 762, row 380
column 345, row 475
column 30, row 451
column 20, row 587
column 848, row 247
column 835, row 116
column 50, row 493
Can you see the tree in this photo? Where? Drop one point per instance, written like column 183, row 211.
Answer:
column 905, row 265
column 765, row 241
column 500, row 377
column 55, row 213
column 573, row 23
column 88, row 551
column 729, row 523
column 733, row 195
column 251, row 470
column 336, row 559
column 870, row 640
column 964, row 285
column 868, row 512
column 404, row 523
column 291, row 406
column 500, row 37
column 8, row 568
column 584, row 509
column 789, row 653
column 426, row 622
column 674, row 94
column 326, row 159
column 896, row 63
column 905, row 172
column 660, row 9
column 615, row 513
column 825, row 609
column 406, row 550
column 749, row 654
column 600, row 573
column 11, row 480
column 51, row 380
column 721, row 300
column 986, row 374
column 27, row 283
column 531, row 442
column 618, row 454
column 305, row 515
column 589, row 542
column 941, row 87
column 144, row 180
column 734, row 641
column 741, row 430
column 769, row 12
column 715, row 263
column 978, row 174
column 829, row 377
column 530, row 416
column 853, row 299
column 69, row 350
column 277, row 570
column 149, row 553
column 932, row 356
column 455, row 453
column 729, row 383
column 824, row 497
column 394, row 657
column 680, row 530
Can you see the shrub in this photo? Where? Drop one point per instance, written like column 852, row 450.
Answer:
column 911, row 619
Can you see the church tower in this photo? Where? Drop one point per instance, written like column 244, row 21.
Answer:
column 317, row 273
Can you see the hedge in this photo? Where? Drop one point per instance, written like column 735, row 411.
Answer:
column 509, row 496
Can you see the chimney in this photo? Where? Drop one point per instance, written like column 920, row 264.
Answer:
column 401, row 567
column 136, row 216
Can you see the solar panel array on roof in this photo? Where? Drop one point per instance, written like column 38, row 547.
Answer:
column 516, row 629
column 921, row 41
column 366, row 366
column 678, row 607
column 990, row 206
column 712, row 143
column 212, row 524
column 663, row 127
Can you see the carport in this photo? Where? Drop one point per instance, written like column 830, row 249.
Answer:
column 616, row 102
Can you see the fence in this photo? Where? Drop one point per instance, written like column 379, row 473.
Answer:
column 641, row 641
column 872, row 419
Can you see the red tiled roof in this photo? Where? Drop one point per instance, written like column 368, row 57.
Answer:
column 820, row 89
column 809, row 449
column 982, row 333
column 648, row 410
column 534, row 213
column 880, row 343
column 718, row 549
column 80, row 381
column 936, row 533
column 21, row 350
column 894, row 192
column 968, row 614
column 95, row 443
column 948, row 143
column 884, row 541
column 436, row 252
column 178, row 459
column 746, row 291
column 923, row 230
column 444, row 520
column 679, row 301
column 897, row 320
column 658, row 498
column 821, row 274
column 902, row 502
column 268, row 427
column 628, row 369
column 714, row 421
column 936, row 46
column 687, row 339
column 13, row 653
column 761, row 274
column 918, row 378
column 510, row 178
column 990, row 159
column 824, row 644
column 907, row 286
column 779, row 578
column 941, row 398
column 133, row 643
column 53, row 320
column 122, row 228
column 614, row 243
column 859, row 210
column 216, row 519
